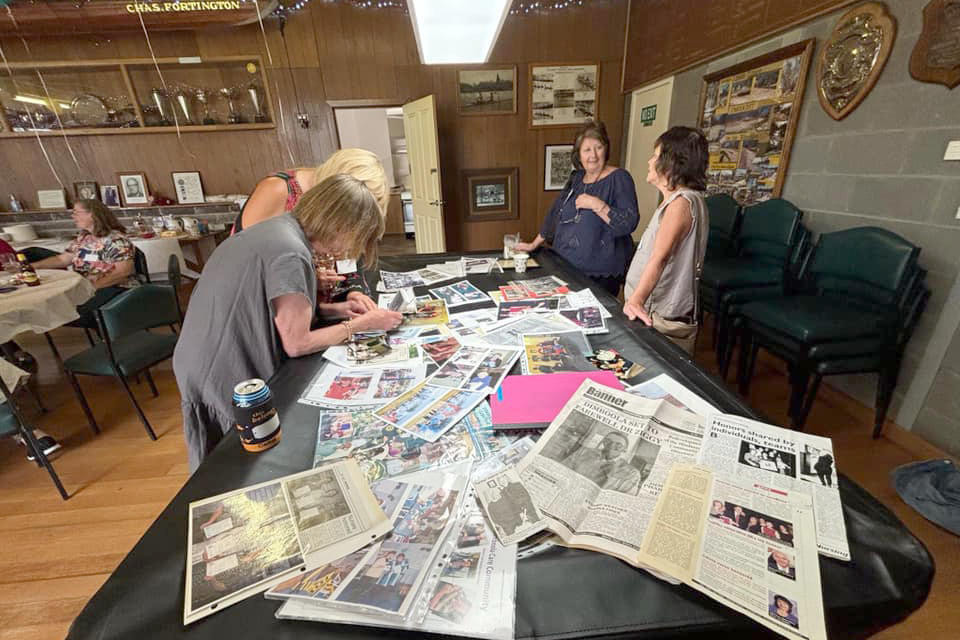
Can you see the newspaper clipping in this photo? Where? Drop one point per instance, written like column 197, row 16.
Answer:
column 596, row 472
column 703, row 533
column 505, row 501
column 787, row 459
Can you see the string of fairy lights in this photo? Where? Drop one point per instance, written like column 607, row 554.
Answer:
column 519, row 7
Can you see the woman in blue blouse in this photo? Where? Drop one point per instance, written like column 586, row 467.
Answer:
column 591, row 221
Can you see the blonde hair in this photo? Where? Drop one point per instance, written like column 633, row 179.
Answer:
column 342, row 206
column 361, row 164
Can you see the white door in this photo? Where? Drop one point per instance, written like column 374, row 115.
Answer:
column 420, row 129
column 640, row 139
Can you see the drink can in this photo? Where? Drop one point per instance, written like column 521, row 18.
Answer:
column 256, row 417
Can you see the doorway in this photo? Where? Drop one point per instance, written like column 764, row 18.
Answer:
column 649, row 115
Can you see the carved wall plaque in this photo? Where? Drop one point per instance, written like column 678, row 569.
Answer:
column 936, row 57
column 853, row 57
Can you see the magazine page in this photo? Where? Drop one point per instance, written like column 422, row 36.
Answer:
column 334, row 512
column 469, row 323
column 557, row 352
column 475, row 368
column 338, row 386
column 459, row 294
column 383, row 451
column 510, row 333
column 589, row 319
column 783, row 458
column 598, row 469
column 386, row 577
column 400, row 353
column 240, row 543
column 707, row 531
column 428, row 411
column 666, row 388
column 507, row 310
column 585, row 298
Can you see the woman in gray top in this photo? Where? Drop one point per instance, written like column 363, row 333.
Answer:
column 254, row 304
column 661, row 284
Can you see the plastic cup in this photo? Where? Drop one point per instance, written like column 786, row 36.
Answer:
column 520, row 261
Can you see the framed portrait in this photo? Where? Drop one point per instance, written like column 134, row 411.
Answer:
column 491, row 194
column 187, row 186
column 487, row 91
column 749, row 113
column 563, row 95
column 110, row 195
column 133, row 188
column 557, row 166
column 51, row 199
column 85, row 190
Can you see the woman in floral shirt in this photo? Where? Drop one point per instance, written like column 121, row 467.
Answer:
column 101, row 253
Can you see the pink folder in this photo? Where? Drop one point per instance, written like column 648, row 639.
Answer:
column 532, row 402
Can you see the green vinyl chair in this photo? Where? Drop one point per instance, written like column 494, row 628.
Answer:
column 129, row 348
column 768, row 237
column 12, row 423
column 862, row 294
column 724, row 213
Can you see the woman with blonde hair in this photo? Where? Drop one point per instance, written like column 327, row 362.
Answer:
column 279, row 193
column 256, row 300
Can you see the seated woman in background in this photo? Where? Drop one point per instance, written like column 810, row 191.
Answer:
column 101, row 253
column 591, row 220
column 280, row 192
column 661, row 286
column 257, row 298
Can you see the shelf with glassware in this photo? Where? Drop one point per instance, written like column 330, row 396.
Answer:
column 126, row 96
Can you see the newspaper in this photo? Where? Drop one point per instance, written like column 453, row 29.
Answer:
column 396, row 280
column 470, row 323
column 510, row 332
column 244, row 541
column 338, row 386
column 475, row 368
column 598, row 469
column 700, row 534
column 786, row 459
column 402, row 353
column 383, row 451
column 585, row 298
column 505, row 501
column 459, row 294
column 665, row 387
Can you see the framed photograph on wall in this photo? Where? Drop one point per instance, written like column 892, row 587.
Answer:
column 85, row 190
column 51, row 199
column 110, row 195
column 563, row 95
column 187, row 186
column 557, row 166
column 749, row 113
column 488, row 91
column 133, row 188
column 491, row 194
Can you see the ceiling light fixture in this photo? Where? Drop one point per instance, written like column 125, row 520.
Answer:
column 457, row 31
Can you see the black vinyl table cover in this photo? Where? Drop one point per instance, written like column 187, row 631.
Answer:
column 561, row 593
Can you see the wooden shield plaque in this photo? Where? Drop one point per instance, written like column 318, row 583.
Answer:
column 936, row 57
column 853, row 57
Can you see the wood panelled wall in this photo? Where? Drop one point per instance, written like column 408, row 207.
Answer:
column 338, row 52
column 668, row 36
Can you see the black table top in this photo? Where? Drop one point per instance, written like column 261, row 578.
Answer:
column 561, row 593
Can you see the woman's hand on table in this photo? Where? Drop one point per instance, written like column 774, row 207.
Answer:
column 377, row 319
column 634, row 311
column 363, row 299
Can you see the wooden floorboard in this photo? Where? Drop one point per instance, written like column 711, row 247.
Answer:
column 58, row 553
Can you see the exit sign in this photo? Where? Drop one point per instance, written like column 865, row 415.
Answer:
column 648, row 115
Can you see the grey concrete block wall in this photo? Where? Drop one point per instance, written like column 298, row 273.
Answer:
column 881, row 166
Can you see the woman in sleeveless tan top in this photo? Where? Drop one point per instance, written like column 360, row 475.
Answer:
column 661, row 282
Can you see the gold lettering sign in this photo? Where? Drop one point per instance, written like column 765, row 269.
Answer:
column 168, row 7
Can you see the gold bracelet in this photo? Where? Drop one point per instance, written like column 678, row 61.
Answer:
column 346, row 323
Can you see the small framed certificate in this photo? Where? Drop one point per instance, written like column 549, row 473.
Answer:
column 52, row 199
column 188, row 187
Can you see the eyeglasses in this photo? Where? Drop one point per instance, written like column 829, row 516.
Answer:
column 576, row 218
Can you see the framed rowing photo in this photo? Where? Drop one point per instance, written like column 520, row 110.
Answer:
column 491, row 194
column 563, row 95
column 488, row 91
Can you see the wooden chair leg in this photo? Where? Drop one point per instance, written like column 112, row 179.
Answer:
column 83, row 401
column 42, row 461
column 136, row 405
column 153, row 387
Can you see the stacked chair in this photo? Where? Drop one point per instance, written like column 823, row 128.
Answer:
column 861, row 293
column 756, row 264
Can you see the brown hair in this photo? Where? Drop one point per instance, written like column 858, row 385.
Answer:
column 683, row 158
column 592, row 129
column 343, row 206
column 103, row 219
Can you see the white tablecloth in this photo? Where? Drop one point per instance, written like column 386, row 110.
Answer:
column 40, row 309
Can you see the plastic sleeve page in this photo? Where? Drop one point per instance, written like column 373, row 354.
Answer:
column 742, row 565
column 784, row 459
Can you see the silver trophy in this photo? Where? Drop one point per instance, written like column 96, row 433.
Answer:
column 229, row 95
column 160, row 102
column 183, row 101
column 254, row 92
column 203, row 97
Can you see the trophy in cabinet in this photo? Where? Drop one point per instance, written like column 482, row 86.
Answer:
column 182, row 97
column 159, row 97
column 229, row 94
column 203, row 97
column 255, row 98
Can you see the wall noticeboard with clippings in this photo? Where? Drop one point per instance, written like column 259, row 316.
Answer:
column 749, row 113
